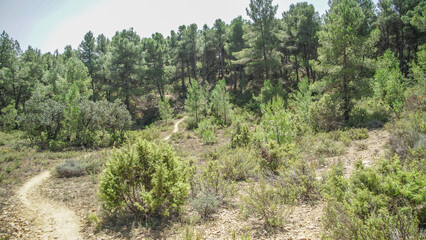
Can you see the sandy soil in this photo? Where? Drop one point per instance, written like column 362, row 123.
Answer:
column 52, row 219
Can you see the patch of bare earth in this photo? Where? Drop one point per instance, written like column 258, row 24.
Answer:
column 51, row 219
column 79, row 194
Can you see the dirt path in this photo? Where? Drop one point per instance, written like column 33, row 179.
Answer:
column 175, row 129
column 52, row 220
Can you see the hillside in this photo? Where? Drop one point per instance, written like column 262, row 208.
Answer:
column 290, row 127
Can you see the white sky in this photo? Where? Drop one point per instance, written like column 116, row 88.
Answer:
column 53, row 24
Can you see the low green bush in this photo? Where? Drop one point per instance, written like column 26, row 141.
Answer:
column 297, row 181
column 326, row 114
column 381, row 202
column 145, row 178
column 94, row 164
column 8, row 117
column 274, row 156
column 206, row 129
column 241, row 135
column 209, row 180
column 206, row 204
column 69, row 169
column 239, row 164
column 264, row 202
column 208, row 137
column 325, row 146
column 406, row 134
column 150, row 134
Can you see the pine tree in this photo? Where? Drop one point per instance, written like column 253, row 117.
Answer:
column 195, row 101
column 89, row 57
column 219, row 99
column 340, row 52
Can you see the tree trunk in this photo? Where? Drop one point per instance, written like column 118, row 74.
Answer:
column 264, row 54
column 195, row 67
column 93, row 90
column 189, row 73
column 128, row 93
column 182, row 74
column 297, row 68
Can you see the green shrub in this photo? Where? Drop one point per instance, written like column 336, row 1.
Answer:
column 166, row 112
column 8, row 117
column 69, row 169
column 220, row 104
column 274, row 156
column 43, row 120
column 326, row 146
column 382, row 202
column 357, row 133
column 239, row 164
column 277, row 122
column 94, row 164
column 389, row 80
column 210, row 181
column 241, row 135
column 206, row 129
column 297, row 181
column 196, row 102
column 263, row 202
column 145, row 178
column 80, row 122
column 206, row 204
column 326, row 114
column 150, row 134
column 208, row 137
column 369, row 113
column 407, row 133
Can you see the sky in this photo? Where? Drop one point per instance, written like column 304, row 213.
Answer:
column 52, row 24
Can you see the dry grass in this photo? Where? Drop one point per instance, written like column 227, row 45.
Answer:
column 80, row 193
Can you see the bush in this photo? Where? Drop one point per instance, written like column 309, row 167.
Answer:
column 150, row 134
column 206, row 129
column 206, row 204
column 70, row 169
column 94, row 164
column 241, row 135
column 389, row 81
column 219, row 101
column 263, row 202
column 81, row 122
column 371, row 113
column 43, row 119
column 382, row 202
column 274, row 156
column 326, row 146
column 145, row 178
column 210, row 181
column 298, row 181
column 208, row 137
column 277, row 122
column 406, row 134
column 166, row 112
column 8, row 117
column 357, row 133
column 326, row 114
column 239, row 165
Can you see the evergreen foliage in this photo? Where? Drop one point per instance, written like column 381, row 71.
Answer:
column 195, row 102
column 145, row 178
column 166, row 112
